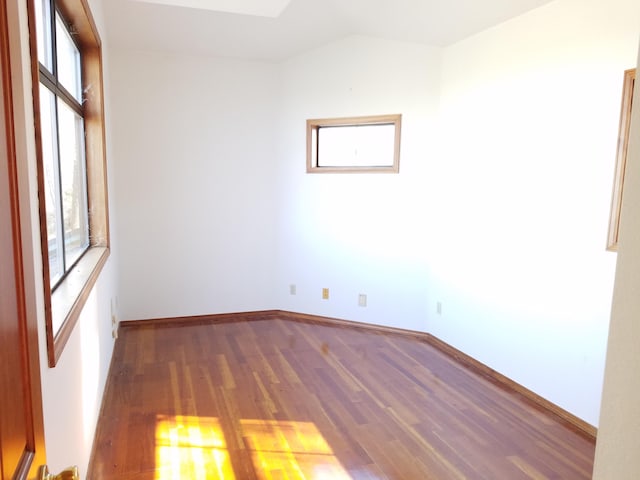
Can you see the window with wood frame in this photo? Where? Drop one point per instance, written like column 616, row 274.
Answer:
column 71, row 160
column 354, row 144
column 621, row 158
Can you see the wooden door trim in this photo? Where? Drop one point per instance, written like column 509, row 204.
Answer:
column 35, row 455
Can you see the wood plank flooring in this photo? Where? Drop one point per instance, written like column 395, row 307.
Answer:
column 279, row 399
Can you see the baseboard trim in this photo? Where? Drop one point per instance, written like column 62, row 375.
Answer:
column 203, row 319
column 580, row 426
column 584, row 428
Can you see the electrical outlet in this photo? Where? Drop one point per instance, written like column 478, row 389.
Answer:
column 292, row 289
column 114, row 318
column 362, row 300
column 114, row 326
column 439, row 308
column 325, row 294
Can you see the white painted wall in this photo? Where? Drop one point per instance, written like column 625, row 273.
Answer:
column 618, row 440
column 194, row 146
column 500, row 211
column 359, row 233
column 216, row 149
column 72, row 391
column 530, row 114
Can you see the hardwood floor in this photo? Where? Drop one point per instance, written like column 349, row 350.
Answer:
column 279, row 399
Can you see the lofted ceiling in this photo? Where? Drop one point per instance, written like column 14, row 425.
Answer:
column 274, row 30
column 260, row 8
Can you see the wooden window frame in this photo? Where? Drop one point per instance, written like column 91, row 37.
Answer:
column 50, row 80
column 313, row 126
column 621, row 159
column 70, row 296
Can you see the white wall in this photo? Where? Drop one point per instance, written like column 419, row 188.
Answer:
column 618, row 440
column 72, row 391
column 530, row 114
column 499, row 214
column 210, row 193
column 194, row 146
column 500, row 210
column 358, row 233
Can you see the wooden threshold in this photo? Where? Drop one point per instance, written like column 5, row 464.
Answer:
column 577, row 424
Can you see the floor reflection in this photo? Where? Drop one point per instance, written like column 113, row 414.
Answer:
column 190, row 447
column 292, row 450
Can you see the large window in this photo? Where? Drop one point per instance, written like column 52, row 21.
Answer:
column 63, row 154
column 71, row 162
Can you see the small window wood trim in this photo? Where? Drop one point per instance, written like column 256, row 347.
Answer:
column 67, row 302
column 314, row 126
column 621, row 159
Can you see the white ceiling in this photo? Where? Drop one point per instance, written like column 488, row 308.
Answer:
column 302, row 25
column 259, row 8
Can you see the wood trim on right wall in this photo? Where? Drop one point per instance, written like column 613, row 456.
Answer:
column 621, row 158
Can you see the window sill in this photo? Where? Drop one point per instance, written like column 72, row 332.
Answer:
column 70, row 297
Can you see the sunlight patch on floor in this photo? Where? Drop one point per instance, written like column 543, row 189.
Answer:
column 191, row 447
column 291, row 450
column 195, row 448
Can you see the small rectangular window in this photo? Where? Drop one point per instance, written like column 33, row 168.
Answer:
column 354, row 144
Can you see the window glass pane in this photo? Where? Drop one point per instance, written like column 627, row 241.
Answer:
column 68, row 57
column 43, row 32
column 51, row 182
column 356, row 146
column 73, row 181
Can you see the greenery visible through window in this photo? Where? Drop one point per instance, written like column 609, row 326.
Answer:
column 72, row 193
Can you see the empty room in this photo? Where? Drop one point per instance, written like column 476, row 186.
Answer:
column 350, row 239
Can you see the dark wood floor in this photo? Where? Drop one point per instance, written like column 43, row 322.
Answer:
column 278, row 399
